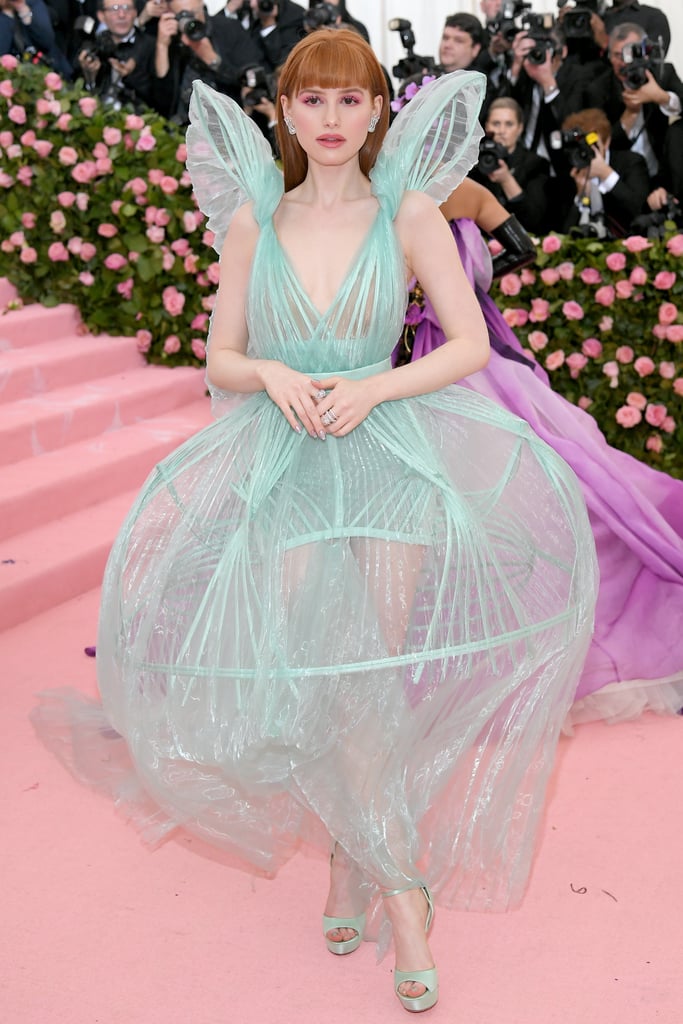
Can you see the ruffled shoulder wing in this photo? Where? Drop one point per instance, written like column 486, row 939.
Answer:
column 433, row 141
column 229, row 160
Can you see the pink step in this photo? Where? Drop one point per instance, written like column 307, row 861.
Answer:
column 40, row 489
column 43, row 423
column 25, row 372
column 34, row 325
column 51, row 564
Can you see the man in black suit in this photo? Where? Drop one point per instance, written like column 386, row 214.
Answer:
column 613, row 188
column 640, row 116
column 654, row 22
column 276, row 28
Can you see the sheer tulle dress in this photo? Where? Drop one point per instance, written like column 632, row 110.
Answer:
column 635, row 661
column 372, row 640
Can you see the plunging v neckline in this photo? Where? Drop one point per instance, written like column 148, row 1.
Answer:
column 345, row 279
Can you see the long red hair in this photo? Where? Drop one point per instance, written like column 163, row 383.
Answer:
column 330, row 59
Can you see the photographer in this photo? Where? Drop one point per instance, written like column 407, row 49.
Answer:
column 344, row 18
column 191, row 45
column 117, row 61
column 26, row 32
column 518, row 179
column 275, row 28
column 653, row 22
column 609, row 186
column 640, row 95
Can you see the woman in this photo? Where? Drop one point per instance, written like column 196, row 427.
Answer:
column 327, row 615
column 520, row 180
column 635, row 662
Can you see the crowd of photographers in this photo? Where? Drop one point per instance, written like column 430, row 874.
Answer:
column 583, row 114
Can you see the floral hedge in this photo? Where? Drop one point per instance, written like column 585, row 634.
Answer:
column 96, row 209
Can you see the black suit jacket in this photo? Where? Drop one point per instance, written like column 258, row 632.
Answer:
column 275, row 46
column 625, row 201
column 533, row 175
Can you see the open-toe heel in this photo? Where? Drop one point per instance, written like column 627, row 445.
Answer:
column 356, row 924
column 428, row 978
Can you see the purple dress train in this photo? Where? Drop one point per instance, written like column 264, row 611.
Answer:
column 635, row 661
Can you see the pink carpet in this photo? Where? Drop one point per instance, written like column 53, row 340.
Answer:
column 99, row 930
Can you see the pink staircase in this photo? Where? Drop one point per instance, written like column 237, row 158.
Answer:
column 83, row 420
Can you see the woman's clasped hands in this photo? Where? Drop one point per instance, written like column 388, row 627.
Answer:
column 334, row 405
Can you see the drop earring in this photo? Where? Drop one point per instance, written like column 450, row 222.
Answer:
column 374, row 121
column 290, row 125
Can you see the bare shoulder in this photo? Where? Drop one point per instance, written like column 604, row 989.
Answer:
column 244, row 222
column 414, row 208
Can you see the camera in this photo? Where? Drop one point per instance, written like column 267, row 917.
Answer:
column 490, row 152
column 261, row 86
column 102, row 46
column 515, row 17
column 577, row 145
column 412, row 63
column 320, row 15
column 190, row 26
column 543, row 45
column 654, row 224
column 577, row 21
column 639, row 58
column 266, row 6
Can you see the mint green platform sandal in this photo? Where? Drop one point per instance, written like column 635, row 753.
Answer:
column 348, row 945
column 428, row 978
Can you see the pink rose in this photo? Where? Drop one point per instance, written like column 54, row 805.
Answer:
column 180, row 247
column 527, row 276
column 624, row 289
column 678, row 386
column 146, row 142
column 576, row 362
column 84, row 172
column 28, row 220
column 200, row 321
column 208, row 302
column 168, row 185
column 125, row 288
column 592, row 348
column 67, row 156
column 208, row 238
column 537, row 340
column 550, row 276
column 655, row 414
column 584, row 402
column 143, row 340
column 163, row 218
column 133, row 256
column 172, row 344
column 551, row 243
column 88, row 252
column 189, row 223
column 510, row 284
column 654, row 443
column 665, row 280
column 100, row 151
column 638, row 276
column 17, row 238
column 137, row 186
column 190, row 263
column 555, row 360
column 27, row 139
column 14, row 151
column 6, row 180
column 675, row 245
column 107, row 230
column 168, row 259
column 667, row 370
column 28, row 255
column 17, row 114
column 52, row 81
column 57, row 221
column 572, row 311
column 173, row 300
column 88, row 105
column 42, row 148
column 611, row 369
column 659, row 331
column 155, row 175
column 616, row 261
column 213, row 272
column 643, row 366
column 185, row 180
column 624, row 354
column 494, row 247
column 636, row 243
column 6, row 89
column 566, row 271
column 150, row 214
column 115, row 206
column 75, row 245
column 82, row 201
column 668, row 312
column 58, row 253
column 104, row 165
column 637, row 400
column 669, row 425
column 540, row 310
column 606, row 323
column 25, row 176
column 6, row 139
column 134, row 122
column 8, row 62
column 112, row 136
column 628, row 417
column 198, row 347
column 674, row 333
column 590, row 276
column 115, row 261
column 63, row 121
column 605, row 296
column 181, row 153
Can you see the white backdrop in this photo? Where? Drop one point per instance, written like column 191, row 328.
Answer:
column 428, row 17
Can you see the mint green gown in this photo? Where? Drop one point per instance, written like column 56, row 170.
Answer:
column 372, row 640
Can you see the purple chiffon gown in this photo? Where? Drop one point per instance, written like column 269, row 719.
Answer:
column 635, row 661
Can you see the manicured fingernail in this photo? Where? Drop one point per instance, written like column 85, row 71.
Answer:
column 297, row 428
column 322, row 435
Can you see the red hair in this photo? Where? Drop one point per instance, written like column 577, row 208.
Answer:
column 330, row 59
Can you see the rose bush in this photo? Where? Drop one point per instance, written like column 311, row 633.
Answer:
column 96, row 209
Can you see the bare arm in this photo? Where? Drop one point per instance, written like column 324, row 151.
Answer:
column 475, row 202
